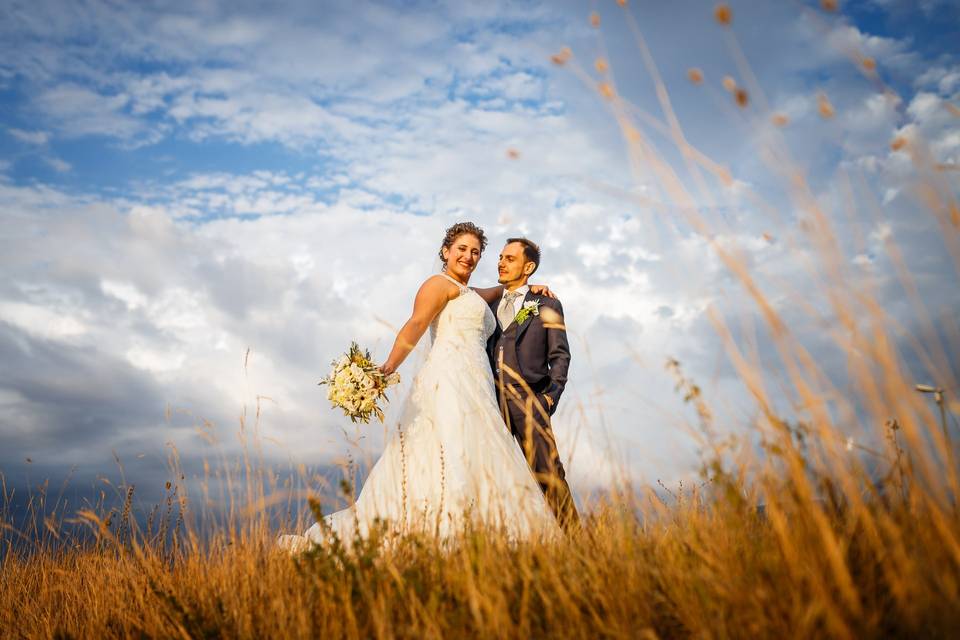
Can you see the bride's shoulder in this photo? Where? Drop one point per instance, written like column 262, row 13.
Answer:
column 438, row 285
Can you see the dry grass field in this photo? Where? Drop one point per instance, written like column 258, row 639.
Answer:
column 795, row 530
column 828, row 556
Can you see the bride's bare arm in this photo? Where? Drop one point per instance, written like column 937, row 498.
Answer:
column 431, row 299
column 490, row 294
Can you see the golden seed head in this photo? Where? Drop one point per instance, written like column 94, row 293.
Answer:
column 632, row 134
column 740, row 95
column 606, row 90
column 601, row 65
column 780, row 119
column 723, row 14
column 168, row 485
column 622, row 3
column 562, row 57
column 595, row 19
column 898, row 143
column 828, row 5
column 729, row 84
column 824, row 107
column 512, row 153
column 695, row 75
column 868, row 64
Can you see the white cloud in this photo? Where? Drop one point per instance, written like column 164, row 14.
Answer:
column 128, row 293
column 41, row 321
column 58, row 165
column 287, row 92
column 410, row 117
column 891, row 53
column 925, row 105
column 30, row 137
column 79, row 111
column 945, row 79
column 155, row 361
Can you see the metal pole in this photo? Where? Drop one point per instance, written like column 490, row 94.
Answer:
column 938, row 397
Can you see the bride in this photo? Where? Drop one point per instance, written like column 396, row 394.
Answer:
column 452, row 457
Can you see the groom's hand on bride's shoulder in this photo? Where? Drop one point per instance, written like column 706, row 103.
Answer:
column 542, row 290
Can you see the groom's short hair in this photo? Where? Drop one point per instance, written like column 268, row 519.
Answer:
column 530, row 251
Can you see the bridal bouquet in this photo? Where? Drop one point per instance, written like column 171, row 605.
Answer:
column 356, row 384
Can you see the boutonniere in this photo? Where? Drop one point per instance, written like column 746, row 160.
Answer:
column 531, row 308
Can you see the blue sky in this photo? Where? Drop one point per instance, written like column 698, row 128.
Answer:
column 180, row 184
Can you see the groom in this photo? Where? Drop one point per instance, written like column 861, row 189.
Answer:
column 530, row 355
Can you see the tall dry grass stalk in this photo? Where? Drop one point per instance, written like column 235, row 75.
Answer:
column 709, row 564
column 856, row 538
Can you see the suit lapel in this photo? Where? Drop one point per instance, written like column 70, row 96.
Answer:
column 497, row 328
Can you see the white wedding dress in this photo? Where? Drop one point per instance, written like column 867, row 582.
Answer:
column 452, row 456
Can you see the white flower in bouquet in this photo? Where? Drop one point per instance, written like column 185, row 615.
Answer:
column 357, row 384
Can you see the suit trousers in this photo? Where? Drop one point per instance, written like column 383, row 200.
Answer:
column 528, row 418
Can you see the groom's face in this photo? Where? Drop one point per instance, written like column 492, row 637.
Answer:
column 513, row 266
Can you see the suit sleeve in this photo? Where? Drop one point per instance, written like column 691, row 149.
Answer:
column 558, row 357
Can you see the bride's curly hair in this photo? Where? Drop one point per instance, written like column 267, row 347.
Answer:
column 458, row 230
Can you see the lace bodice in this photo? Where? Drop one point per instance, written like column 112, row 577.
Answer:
column 466, row 320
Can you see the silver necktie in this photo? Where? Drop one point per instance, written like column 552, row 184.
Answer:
column 505, row 312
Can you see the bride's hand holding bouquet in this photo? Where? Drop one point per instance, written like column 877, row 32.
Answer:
column 357, row 384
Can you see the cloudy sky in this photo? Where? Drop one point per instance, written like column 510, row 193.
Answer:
column 202, row 203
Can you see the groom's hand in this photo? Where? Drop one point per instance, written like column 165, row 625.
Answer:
column 542, row 290
column 546, row 402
